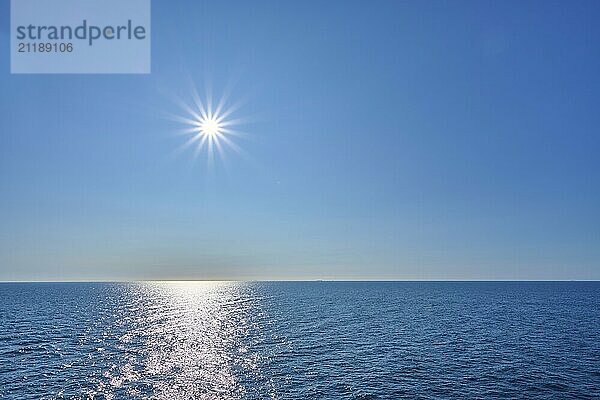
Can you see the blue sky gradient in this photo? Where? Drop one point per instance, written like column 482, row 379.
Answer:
column 386, row 140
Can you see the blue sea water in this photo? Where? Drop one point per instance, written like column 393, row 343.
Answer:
column 300, row 340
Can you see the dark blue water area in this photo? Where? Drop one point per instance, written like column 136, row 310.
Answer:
column 300, row 340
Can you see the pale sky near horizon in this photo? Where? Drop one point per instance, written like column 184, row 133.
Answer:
column 385, row 140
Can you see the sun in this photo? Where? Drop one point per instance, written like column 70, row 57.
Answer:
column 209, row 128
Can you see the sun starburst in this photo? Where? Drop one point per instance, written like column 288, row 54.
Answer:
column 209, row 129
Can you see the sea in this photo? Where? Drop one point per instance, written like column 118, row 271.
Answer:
column 300, row 340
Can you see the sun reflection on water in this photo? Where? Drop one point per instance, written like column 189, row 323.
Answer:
column 189, row 339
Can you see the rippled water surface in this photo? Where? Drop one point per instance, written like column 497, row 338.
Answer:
column 300, row 340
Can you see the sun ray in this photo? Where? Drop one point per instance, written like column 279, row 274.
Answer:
column 232, row 145
column 187, row 131
column 221, row 104
column 232, row 122
column 233, row 132
column 231, row 109
column 185, row 107
column 184, row 120
column 199, row 105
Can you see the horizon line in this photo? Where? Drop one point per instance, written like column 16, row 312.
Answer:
column 295, row 280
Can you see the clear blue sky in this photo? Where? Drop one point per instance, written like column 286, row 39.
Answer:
column 388, row 140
